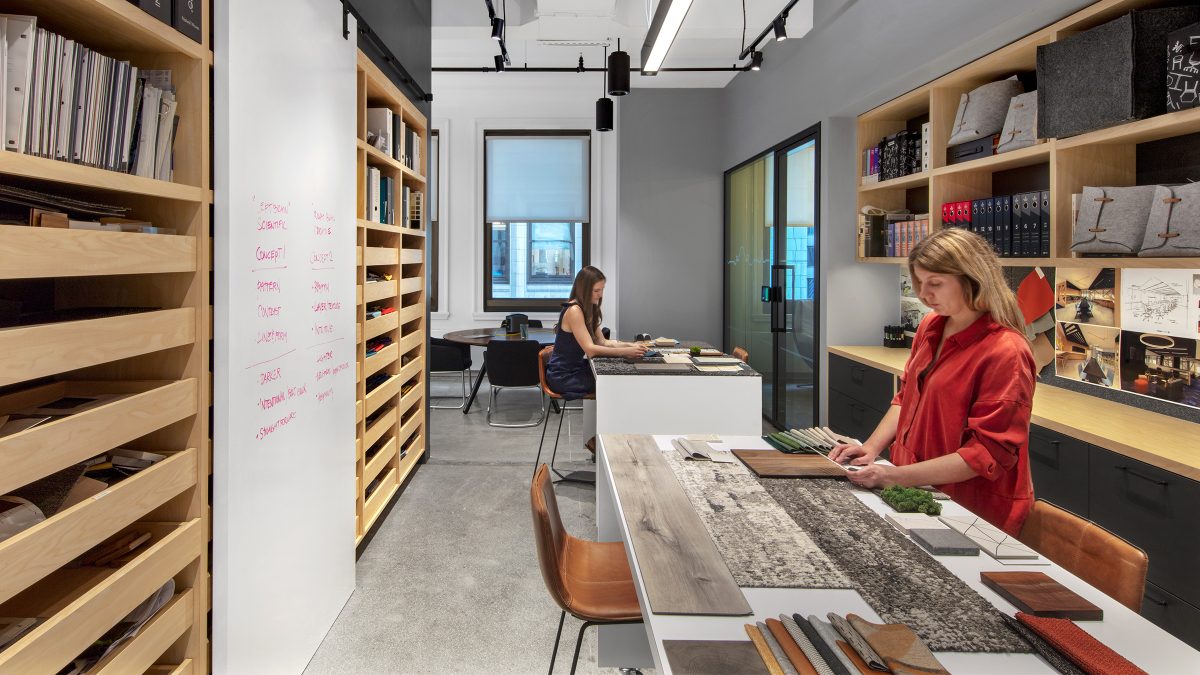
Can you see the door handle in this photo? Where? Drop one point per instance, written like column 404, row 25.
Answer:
column 1144, row 477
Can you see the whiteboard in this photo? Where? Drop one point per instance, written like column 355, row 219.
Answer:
column 284, row 331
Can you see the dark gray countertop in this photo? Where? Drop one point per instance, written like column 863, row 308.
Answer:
column 619, row 366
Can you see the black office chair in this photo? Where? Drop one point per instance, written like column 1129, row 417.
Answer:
column 512, row 364
column 450, row 357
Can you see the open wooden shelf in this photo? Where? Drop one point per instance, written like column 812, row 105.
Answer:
column 31, row 555
column 154, row 365
column 39, row 252
column 47, row 349
column 81, row 603
column 1106, row 157
column 913, row 180
column 140, row 409
column 396, row 250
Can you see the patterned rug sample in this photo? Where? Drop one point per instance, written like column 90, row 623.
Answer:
column 896, row 578
column 761, row 544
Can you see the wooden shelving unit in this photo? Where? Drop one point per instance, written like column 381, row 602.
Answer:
column 1103, row 157
column 391, row 417
column 154, row 364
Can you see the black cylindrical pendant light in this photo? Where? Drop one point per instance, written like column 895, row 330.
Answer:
column 497, row 28
column 604, row 114
column 604, row 106
column 618, row 72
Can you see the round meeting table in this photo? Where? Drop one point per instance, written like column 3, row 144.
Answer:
column 480, row 337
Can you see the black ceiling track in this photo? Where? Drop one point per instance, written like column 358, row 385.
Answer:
column 390, row 60
column 575, row 69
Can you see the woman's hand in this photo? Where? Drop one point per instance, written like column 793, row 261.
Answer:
column 852, row 453
column 633, row 351
column 874, row 476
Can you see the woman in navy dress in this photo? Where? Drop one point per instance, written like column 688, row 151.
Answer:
column 578, row 337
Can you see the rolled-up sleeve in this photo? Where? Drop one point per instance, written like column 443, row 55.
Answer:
column 996, row 430
column 998, row 420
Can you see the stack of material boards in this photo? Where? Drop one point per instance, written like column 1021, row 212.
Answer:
column 126, row 390
column 392, row 332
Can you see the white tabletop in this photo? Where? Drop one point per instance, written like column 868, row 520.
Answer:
column 1135, row 638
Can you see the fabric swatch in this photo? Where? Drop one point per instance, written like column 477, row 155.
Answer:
column 810, row 650
column 856, row 642
column 764, row 651
column 855, row 659
column 1077, row 645
column 1044, row 649
column 785, row 664
column 762, row 546
column 828, row 654
column 896, row 578
column 898, row 646
column 831, row 637
column 799, row 661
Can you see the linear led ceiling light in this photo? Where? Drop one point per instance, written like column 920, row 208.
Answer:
column 663, row 29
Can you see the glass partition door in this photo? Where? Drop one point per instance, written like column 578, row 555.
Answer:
column 771, row 274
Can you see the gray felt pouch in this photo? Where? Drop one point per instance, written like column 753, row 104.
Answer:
column 981, row 112
column 1020, row 125
column 1112, row 219
column 1174, row 225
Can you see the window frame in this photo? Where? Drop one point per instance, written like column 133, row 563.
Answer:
column 491, row 304
column 433, row 283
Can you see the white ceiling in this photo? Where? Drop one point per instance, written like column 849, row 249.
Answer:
column 553, row 33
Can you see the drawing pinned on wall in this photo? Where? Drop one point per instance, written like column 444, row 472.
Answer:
column 1086, row 295
column 912, row 310
column 1157, row 301
column 1161, row 366
column 1088, row 354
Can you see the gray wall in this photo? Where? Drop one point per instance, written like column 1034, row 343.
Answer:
column 405, row 26
column 670, row 232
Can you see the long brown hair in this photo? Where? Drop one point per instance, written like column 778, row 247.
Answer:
column 969, row 257
column 581, row 292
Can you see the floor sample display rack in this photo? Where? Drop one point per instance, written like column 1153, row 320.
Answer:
column 391, row 428
column 1105, row 157
column 149, row 368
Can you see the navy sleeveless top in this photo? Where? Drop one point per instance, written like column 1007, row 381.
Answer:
column 568, row 372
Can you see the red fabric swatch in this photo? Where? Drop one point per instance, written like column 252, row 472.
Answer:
column 1085, row 651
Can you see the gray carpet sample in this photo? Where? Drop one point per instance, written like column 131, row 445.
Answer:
column 762, row 546
column 896, row 578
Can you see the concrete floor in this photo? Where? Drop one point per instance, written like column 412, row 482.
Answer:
column 450, row 583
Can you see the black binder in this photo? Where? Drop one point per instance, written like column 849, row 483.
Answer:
column 159, row 9
column 1002, row 217
column 1044, row 195
column 976, row 221
column 989, row 217
column 185, row 17
column 1020, row 202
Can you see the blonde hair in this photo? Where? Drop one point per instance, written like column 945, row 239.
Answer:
column 969, row 257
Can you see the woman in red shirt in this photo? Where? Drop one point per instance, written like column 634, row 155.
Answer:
column 961, row 418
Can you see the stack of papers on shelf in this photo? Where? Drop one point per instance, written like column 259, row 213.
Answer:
column 701, row 451
column 718, row 369
column 716, row 361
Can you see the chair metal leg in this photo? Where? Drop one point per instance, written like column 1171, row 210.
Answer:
column 465, row 377
column 545, row 423
column 568, row 477
column 557, row 636
column 494, row 393
column 578, row 644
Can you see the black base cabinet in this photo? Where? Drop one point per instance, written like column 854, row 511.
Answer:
column 851, row 417
column 1156, row 510
column 1059, row 465
column 859, row 396
column 1172, row 614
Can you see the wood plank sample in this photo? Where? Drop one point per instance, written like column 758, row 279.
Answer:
column 776, row 464
column 1039, row 595
column 713, row 657
column 681, row 568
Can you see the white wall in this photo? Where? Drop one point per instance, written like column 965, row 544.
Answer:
column 467, row 104
column 283, row 366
